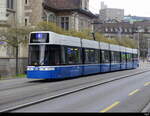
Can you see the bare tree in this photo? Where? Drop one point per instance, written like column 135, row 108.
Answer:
column 14, row 37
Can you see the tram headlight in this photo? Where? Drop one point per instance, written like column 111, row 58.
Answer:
column 46, row 69
column 30, row 69
column 41, row 69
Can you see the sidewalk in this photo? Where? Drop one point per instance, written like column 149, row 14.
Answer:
column 144, row 64
column 13, row 77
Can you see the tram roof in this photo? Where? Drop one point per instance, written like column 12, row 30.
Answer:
column 114, row 47
column 122, row 49
column 90, row 44
column 58, row 39
column 135, row 51
column 104, row 46
column 129, row 50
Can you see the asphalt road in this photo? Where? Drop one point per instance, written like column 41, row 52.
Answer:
column 15, row 92
column 125, row 95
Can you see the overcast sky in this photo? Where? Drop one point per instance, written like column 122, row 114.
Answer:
column 133, row 7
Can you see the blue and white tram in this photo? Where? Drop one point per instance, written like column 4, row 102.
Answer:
column 55, row 56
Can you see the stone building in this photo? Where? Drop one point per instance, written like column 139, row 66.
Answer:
column 131, row 19
column 142, row 34
column 117, row 29
column 139, row 31
column 68, row 14
column 11, row 15
column 108, row 14
column 11, row 12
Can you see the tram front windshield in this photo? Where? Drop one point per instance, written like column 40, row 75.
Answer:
column 43, row 55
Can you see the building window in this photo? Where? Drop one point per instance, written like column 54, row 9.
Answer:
column 10, row 4
column 65, row 23
column 26, row 2
column 120, row 29
column 52, row 18
column 116, row 30
column 130, row 30
column 106, row 29
column 26, row 22
column 84, row 4
column 125, row 30
column 111, row 30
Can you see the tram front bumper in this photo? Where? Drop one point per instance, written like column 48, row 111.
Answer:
column 41, row 73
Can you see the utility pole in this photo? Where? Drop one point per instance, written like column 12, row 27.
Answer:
column 140, row 31
column 148, row 55
column 94, row 31
column 17, row 46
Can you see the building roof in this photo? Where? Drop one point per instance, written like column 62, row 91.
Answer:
column 142, row 23
column 63, row 4
column 66, row 5
column 136, row 18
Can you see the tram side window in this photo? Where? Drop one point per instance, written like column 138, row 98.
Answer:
column 97, row 54
column 123, row 58
column 135, row 57
column 63, row 56
column 115, row 57
column 112, row 57
column 105, row 56
column 73, row 55
column 118, row 57
column 129, row 57
column 91, row 56
column 54, row 54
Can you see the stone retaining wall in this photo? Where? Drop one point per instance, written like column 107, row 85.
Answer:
column 8, row 66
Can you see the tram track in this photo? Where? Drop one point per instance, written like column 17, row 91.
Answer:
column 90, row 85
column 27, row 84
column 36, row 82
column 18, row 86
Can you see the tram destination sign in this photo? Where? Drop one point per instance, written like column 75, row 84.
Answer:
column 39, row 38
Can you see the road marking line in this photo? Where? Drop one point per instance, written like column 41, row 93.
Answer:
column 110, row 107
column 134, row 92
column 146, row 84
